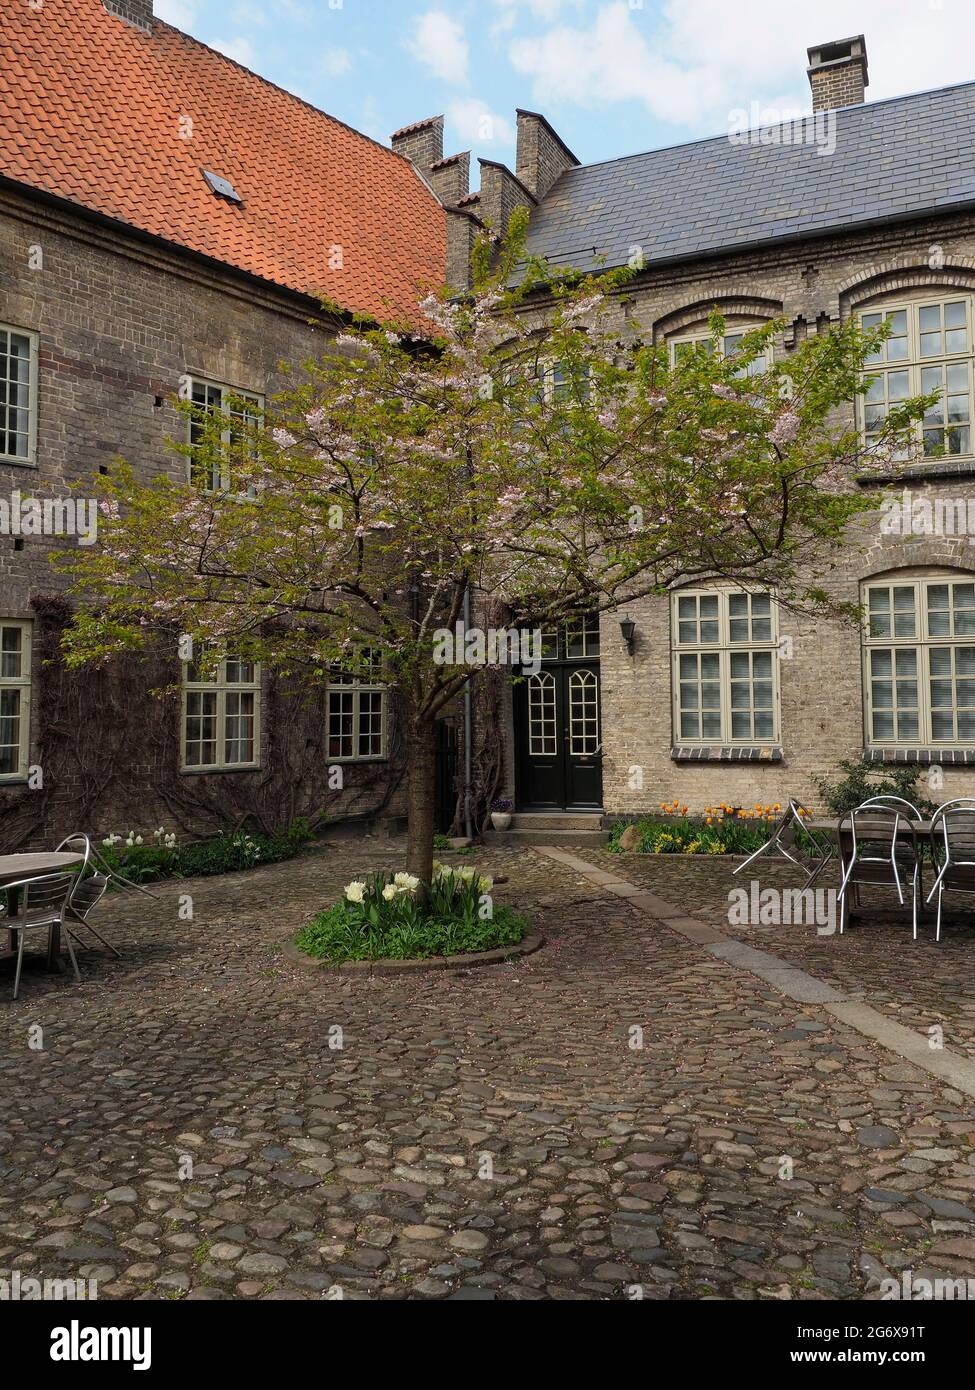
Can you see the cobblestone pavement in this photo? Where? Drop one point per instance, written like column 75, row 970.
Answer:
column 490, row 1134
column 921, row 984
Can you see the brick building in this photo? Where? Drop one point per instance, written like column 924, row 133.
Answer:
column 862, row 209
column 168, row 219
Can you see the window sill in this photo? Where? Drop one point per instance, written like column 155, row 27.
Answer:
column 21, row 780
column 726, row 753
column 218, row 771
column 920, row 472
column 10, row 462
column 351, row 761
column 954, row 756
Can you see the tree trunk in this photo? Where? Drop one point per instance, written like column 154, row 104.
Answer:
column 421, row 789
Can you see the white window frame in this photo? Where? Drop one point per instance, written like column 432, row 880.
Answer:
column 914, row 363
column 21, row 683
column 351, row 686
column 736, row 330
column 226, row 481
column 221, row 687
column 28, row 460
column 724, row 647
column 922, row 642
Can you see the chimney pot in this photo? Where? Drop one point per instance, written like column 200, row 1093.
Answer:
column 838, row 73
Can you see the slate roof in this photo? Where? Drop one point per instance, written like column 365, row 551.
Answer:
column 90, row 111
column 894, row 159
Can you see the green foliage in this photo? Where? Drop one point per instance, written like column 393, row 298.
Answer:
column 862, row 780
column 224, row 854
column 385, row 918
column 681, row 835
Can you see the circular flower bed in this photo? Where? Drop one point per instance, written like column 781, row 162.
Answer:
column 387, row 918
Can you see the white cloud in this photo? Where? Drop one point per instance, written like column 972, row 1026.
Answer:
column 337, row 62
column 440, row 43
column 694, row 61
column 239, row 48
column 474, row 123
column 177, row 12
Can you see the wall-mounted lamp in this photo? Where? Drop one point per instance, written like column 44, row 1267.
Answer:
column 628, row 629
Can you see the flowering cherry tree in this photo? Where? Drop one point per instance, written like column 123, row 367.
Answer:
column 539, row 455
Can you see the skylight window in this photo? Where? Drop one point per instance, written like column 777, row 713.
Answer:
column 222, row 187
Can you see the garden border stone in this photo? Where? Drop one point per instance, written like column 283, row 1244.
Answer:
column 531, row 942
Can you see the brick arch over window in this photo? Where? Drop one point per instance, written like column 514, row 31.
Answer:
column 738, row 304
column 894, row 554
column 906, row 274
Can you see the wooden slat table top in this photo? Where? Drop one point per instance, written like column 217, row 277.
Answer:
column 923, row 827
column 17, row 866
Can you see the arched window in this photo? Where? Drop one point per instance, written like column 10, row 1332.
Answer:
column 919, row 660
column 929, row 349
column 701, row 338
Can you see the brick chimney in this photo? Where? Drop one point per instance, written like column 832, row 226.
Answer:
column 501, row 193
column 421, row 142
column 135, row 12
column 450, row 178
column 838, row 73
column 542, row 155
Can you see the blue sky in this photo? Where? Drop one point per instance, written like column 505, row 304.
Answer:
column 613, row 76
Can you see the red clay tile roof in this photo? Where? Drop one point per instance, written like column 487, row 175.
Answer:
column 90, row 111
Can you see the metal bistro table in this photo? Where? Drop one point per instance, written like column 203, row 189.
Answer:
column 13, row 868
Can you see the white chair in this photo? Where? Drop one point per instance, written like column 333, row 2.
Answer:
column 878, row 845
column 89, row 890
column 953, row 850
column 38, row 903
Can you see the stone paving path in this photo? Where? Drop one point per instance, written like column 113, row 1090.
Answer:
column 192, row 1127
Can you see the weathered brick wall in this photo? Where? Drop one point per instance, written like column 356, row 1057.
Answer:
column 119, row 322
column 821, row 686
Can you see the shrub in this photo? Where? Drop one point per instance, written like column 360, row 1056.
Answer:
column 385, row 918
column 863, row 780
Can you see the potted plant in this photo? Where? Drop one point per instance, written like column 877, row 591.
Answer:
column 501, row 813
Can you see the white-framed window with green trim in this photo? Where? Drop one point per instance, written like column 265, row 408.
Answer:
column 15, row 670
column 18, row 395
column 221, row 718
column 725, row 667
column 357, row 710
column 215, row 475
column 919, row 661
column 929, row 349
column 683, row 343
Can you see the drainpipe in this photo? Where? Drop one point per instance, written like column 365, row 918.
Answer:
column 468, row 731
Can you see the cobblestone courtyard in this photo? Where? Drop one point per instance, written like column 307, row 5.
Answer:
column 491, row 1134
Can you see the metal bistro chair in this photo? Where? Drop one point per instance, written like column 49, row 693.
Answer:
column 783, row 838
column 89, row 889
column 42, row 902
column 878, row 844
column 953, row 850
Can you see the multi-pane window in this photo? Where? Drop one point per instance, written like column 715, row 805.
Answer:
column 919, row 661
column 542, row 718
column 729, row 346
column 576, row 640
column 929, row 349
column 356, row 711
column 215, row 474
column 725, row 679
column 14, row 698
column 221, row 716
column 18, row 395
